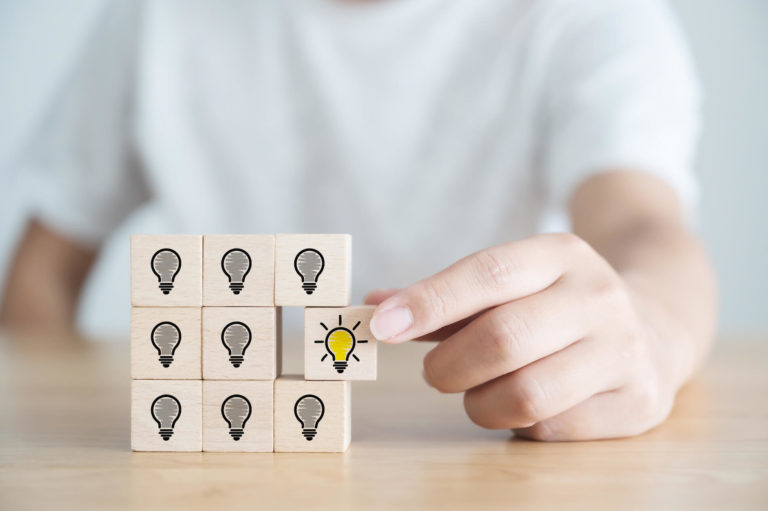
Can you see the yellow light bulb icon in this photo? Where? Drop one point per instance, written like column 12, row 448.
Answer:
column 340, row 344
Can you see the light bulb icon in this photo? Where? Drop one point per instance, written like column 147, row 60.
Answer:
column 309, row 264
column 340, row 343
column 166, row 337
column 236, row 410
column 309, row 410
column 236, row 264
column 166, row 264
column 236, row 337
column 166, row 410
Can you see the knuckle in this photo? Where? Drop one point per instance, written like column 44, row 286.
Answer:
column 528, row 400
column 506, row 333
column 436, row 297
column 432, row 374
column 491, row 270
column 647, row 405
column 610, row 292
column 476, row 413
column 430, row 370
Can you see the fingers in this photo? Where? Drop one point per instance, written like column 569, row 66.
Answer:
column 507, row 338
column 477, row 282
column 546, row 387
column 625, row 412
column 379, row 295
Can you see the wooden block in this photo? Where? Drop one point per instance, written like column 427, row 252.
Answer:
column 167, row 270
column 166, row 343
column 237, row 416
column 239, row 270
column 240, row 343
column 312, row 416
column 338, row 343
column 166, row 415
column 313, row 269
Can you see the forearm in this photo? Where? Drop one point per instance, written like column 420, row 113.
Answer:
column 44, row 281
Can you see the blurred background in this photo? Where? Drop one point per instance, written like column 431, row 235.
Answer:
column 729, row 41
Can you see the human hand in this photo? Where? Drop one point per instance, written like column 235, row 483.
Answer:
column 542, row 335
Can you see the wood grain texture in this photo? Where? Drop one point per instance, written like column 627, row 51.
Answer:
column 185, row 289
column 259, row 359
column 65, row 445
column 256, row 434
column 299, row 404
column 185, row 434
column 256, row 252
column 332, row 284
column 159, row 360
column 325, row 358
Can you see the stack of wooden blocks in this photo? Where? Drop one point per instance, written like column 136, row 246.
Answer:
column 206, row 343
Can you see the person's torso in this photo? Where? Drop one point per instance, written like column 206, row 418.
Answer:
column 412, row 125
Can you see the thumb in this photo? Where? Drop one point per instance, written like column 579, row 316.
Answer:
column 377, row 296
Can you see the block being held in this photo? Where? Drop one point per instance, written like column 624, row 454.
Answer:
column 338, row 343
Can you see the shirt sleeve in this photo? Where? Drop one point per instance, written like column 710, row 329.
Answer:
column 79, row 159
column 621, row 94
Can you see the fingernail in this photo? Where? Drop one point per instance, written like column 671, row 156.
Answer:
column 391, row 322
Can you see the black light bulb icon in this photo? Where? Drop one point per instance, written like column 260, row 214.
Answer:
column 236, row 410
column 236, row 337
column 166, row 410
column 166, row 264
column 236, row 264
column 309, row 264
column 166, row 337
column 309, row 410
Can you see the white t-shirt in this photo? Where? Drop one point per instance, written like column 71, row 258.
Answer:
column 427, row 129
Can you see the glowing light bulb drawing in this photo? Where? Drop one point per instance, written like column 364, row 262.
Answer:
column 309, row 410
column 166, row 337
column 166, row 410
column 236, row 264
column 340, row 343
column 236, row 410
column 309, row 264
column 166, row 264
column 236, row 337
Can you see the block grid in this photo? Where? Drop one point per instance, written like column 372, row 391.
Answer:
column 206, row 343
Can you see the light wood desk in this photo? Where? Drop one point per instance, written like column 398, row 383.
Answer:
column 64, row 444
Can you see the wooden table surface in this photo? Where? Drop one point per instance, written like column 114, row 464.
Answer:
column 64, row 444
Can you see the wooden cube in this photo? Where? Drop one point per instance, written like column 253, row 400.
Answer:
column 166, row 415
column 237, row 416
column 239, row 270
column 338, row 343
column 312, row 416
column 166, row 343
column 240, row 343
column 166, row 270
column 312, row 269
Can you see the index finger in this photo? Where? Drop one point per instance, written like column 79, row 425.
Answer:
column 484, row 279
